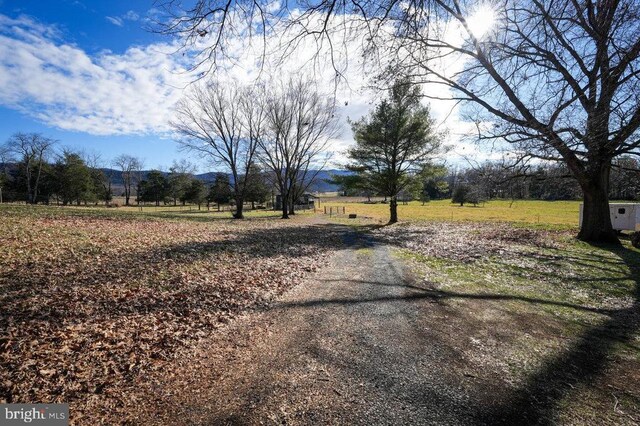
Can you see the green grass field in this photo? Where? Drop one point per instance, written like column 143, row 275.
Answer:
column 556, row 213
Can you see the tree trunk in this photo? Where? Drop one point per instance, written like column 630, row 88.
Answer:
column 35, row 187
column 239, row 207
column 27, row 173
column 393, row 209
column 292, row 209
column 285, row 206
column 596, row 218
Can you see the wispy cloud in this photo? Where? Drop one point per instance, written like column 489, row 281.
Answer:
column 131, row 16
column 120, row 20
column 115, row 20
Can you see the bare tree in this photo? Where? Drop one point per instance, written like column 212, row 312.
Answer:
column 300, row 124
column 130, row 167
column 209, row 26
column 223, row 123
column 5, row 154
column 32, row 150
column 559, row 79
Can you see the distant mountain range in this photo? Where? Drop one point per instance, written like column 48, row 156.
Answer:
column 320, row 184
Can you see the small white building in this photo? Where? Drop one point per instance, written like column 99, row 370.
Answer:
column 624, row 216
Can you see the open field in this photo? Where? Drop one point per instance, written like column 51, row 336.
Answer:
column 558, row 213
column 131, row 315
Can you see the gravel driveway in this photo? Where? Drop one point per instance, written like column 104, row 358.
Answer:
column 353, row 345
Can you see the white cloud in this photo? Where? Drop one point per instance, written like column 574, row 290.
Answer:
column 119, row 20
column 115, row 20
column 62, row 86
column 131, row 16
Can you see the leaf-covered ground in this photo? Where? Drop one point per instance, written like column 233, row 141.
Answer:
column 91, row 303
column 97, row 305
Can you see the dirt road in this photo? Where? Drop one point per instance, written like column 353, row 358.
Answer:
column 353, row 345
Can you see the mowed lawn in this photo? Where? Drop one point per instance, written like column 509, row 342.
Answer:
column 556, row 213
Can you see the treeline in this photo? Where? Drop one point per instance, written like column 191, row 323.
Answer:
column 34, row 170
column 179, row 187
column 493, row 180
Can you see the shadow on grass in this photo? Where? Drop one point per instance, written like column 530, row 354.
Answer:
column 201, row 216
column 294, row 242
column 536, row 402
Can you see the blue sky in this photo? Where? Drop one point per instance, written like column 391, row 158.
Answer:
column 94, row 28
column 87, row 24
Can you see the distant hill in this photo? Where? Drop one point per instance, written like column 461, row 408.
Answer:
column 320, row 184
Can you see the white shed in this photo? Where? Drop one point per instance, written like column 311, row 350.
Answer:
column 624, row 216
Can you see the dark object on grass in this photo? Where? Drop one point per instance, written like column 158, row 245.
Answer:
column 635, row 239
column 352, row 215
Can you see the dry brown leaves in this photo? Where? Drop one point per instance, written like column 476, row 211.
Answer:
column 92, row 304
column 465, row 241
